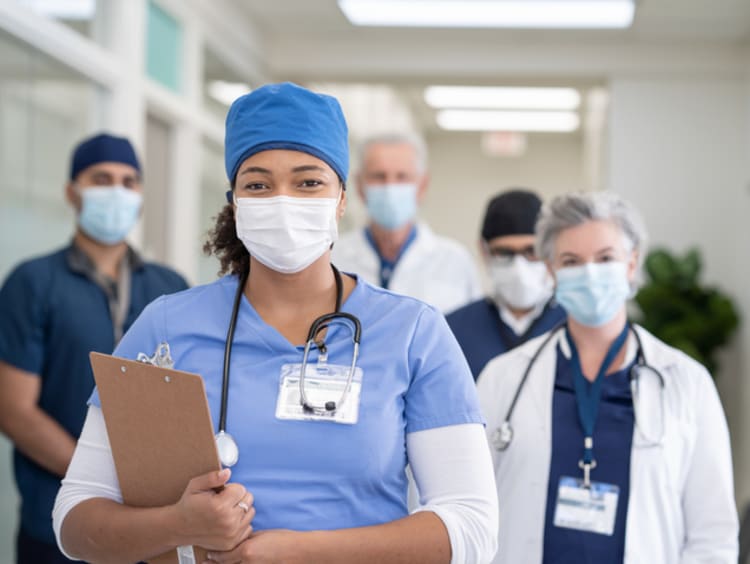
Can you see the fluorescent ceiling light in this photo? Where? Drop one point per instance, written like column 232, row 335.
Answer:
column 63, row 9
column 510, row 98
column 488, row 120
column 227, row 92
column 491, row 13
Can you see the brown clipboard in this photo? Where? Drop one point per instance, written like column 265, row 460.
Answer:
column 159, row 429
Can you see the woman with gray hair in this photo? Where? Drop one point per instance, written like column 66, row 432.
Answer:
column 608, row 445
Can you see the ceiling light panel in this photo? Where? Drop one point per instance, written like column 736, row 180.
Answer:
column 530, row 14
column 63, row 9
column 488, row 97
column 489, row 120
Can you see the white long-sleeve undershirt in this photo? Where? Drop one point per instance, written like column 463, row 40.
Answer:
column 451, row 465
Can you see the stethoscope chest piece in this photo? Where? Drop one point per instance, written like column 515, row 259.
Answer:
column 229, row 454
column 503, row 436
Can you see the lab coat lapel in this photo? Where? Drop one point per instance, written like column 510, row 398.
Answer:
column 654, row 352
column 541, row 381
column 409, row 262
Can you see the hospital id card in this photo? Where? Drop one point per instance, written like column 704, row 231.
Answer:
column 591, row 509
column 322, row 384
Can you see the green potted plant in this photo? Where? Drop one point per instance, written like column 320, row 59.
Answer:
column 680, row 311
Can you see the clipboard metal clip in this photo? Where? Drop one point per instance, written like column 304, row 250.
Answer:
column 161, row 357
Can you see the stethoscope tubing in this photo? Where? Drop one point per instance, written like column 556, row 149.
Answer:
column 318, row 325
column 228, row 352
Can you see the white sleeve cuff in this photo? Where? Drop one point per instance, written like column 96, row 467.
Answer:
column 91, row 472
column 453, row 471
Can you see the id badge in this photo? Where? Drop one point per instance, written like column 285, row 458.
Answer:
column 591, row 509
column 185, row 555
column 322, row 384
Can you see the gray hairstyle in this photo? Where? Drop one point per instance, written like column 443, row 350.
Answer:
column 420, row 148
column 570, row 210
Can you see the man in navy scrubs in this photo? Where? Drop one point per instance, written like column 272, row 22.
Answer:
column 56, row 309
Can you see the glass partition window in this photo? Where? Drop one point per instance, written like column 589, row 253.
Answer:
column 163, row 47
column 45, row 110
column 221, row 85
column 213, row 188
column 84, row 16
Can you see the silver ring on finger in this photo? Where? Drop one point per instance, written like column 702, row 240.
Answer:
column 244, row 506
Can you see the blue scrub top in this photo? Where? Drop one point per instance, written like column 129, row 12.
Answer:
column 308, row 475
column 613, row 436
column 51, row 316
column 483, row 335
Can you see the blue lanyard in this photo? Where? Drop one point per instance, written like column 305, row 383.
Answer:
column 589, row 397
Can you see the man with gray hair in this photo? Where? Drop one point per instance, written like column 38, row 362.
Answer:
column 395, row 251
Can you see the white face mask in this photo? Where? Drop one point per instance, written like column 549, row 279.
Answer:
column 285, row 233
column 520, row 284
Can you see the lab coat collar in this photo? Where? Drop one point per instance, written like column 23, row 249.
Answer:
column 424, row 240
column 541, row 379
column 654, row 352
column 631, row 349
column 425, row 237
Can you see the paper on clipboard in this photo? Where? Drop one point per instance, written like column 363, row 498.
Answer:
column 160, row 431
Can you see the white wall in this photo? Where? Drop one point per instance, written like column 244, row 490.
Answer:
column 678, row 148
column 463, row 179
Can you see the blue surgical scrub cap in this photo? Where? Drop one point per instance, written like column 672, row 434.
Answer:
column 102, row 148
column 286, row 116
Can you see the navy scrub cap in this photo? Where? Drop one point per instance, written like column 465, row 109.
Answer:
column 102, row 148
column 286, row 116
column 513, row 212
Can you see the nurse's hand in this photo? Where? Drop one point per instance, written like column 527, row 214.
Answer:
column 275, row 546
column 216, row 520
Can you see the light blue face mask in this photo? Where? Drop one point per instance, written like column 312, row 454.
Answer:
column 391, row 205
column 592, row 293
column 108, row 213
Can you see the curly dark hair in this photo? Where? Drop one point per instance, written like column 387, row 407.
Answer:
column 224, row 244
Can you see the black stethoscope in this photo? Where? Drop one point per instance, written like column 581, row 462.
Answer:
column 503, row 435
column 225, row 443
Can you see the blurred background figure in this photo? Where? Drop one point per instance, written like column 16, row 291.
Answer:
column 520, row 305
column 395, row 251
column 606, row 441
column 55, row 310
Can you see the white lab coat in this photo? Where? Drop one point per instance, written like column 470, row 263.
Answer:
column 434, row 269
column 681, row 507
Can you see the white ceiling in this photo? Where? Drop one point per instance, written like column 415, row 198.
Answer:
column 655, row 19
column 312, row 41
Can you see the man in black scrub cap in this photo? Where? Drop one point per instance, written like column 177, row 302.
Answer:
column 520, row 305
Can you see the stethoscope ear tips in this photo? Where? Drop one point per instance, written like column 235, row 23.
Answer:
column 330, row 406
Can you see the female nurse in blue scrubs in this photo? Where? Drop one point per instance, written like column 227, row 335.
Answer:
column 324, row 482
column 616, row 449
